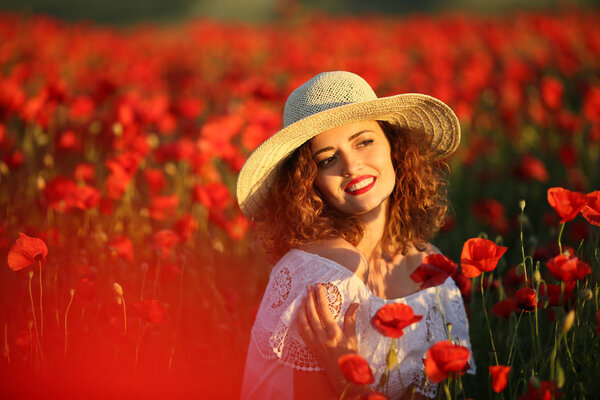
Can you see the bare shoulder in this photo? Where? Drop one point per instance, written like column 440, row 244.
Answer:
column 431, row 249
column 337, row 250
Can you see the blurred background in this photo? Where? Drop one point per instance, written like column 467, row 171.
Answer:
column 119, row 12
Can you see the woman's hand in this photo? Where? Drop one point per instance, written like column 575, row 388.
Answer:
column 326, row 340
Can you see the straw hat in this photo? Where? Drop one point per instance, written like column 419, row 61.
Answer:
column 331, row 99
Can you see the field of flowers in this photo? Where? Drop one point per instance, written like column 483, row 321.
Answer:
column 126, row 268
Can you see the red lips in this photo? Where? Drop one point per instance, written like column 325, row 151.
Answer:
column 360, row 190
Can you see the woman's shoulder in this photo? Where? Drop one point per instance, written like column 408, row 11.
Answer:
column 337, row 250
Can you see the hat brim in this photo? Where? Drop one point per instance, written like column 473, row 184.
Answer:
column 410, row 110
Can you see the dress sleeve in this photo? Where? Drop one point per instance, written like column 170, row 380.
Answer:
column 275, row 332
column 455, row 308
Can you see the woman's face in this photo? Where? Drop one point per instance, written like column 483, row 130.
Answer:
column 355, row 172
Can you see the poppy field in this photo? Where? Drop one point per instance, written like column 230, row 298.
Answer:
column 127, row 269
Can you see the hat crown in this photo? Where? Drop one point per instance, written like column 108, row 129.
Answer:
column 326, row 91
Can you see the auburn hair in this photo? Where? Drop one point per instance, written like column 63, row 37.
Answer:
column 295, row 213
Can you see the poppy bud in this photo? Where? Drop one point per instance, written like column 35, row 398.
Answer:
column 41, row 183
column 522, row 204
column 568, row 321
column 586, row 294
column 117, row 129
column 520, row 269
column 144, row 267
column 537, row 277
column 30, row 274
column 118, row 289
column 153, row 141
column 48, row 160
column 534, row 382
column 3, row 168
column 144, row 213
column 170, row 169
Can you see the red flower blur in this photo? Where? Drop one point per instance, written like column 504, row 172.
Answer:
column 480, row 255
column 391, row 319
column 123, row 246
column 433, row 271
column 374, row 396
column 554, row 293
column 491, row 212
column 531, row 168
column 565, row 267
column 356, row 369
column 591, row 211
column 499, row 375
column 26, row 251
column 164, row 242
column 566, row 203
column 526, row 299
column 598, row 322
column 444, row 360
column 504, row 308
column 214, row 195
column 150, row 311
column 547, row 390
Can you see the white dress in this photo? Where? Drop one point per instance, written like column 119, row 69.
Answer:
column 276, row 347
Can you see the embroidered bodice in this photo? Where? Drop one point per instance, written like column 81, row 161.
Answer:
column 275, row 334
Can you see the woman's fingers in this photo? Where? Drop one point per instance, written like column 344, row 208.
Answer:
column 304, row 327
column 324, row 311
column 314, row 320
column 350, row 322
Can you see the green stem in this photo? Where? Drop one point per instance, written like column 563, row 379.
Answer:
column 512, row 343
column 523, row 246
column 345, row 390
column 66, row 315
column 41, row 305
column 437, row 293
column 37, row 336
column 562, row 227
column 487, row 320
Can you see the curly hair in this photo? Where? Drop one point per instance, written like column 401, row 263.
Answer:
column 296, row 214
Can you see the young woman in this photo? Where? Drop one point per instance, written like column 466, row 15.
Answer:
column 345, row 199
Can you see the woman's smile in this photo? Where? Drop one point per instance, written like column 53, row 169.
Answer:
column 355, row 172
column 360, row 185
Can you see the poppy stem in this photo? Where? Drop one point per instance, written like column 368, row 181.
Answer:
column 6, row 348
column 437, row 293
column 37, row 336
column 66, row 316
column 523, row 244
column 512, row 343
column 562, row 227
column 447, row 390
column 124, row 316
column 345, row 390
column 137, row 348
column 487, row 320
column 41, row 304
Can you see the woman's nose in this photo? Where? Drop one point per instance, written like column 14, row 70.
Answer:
column 350, row 165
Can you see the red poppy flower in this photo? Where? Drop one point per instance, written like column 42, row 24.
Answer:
column 26, row 251
column 504, row 308
column 464, row 284
column 499, row 375
column 84, row 172
column 526, row 299
column 553, row 292
column 598, row 320
column 480, row 255
column 552, row 92
column 165, row 241
column 566, row 203
column 356, row 369
column 433, row 271
column 162, row 207
column 150, row 311
column 391, row 319
column 491, row 212
column 213, row 195
column 566, row 268
column 531, row 168
column 123, row 247
column 156, row 180
column 185, row 226
column 547, row 390
column 591, row 211
column 444, row 360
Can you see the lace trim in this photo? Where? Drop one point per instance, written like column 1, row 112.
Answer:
column 276, row 336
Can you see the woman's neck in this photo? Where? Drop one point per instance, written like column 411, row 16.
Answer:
column 374, row 225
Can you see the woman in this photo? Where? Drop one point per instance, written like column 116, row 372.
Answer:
column 345, row 198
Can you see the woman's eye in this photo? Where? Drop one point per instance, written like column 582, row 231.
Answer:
column 324, row 162
column 365, row 142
